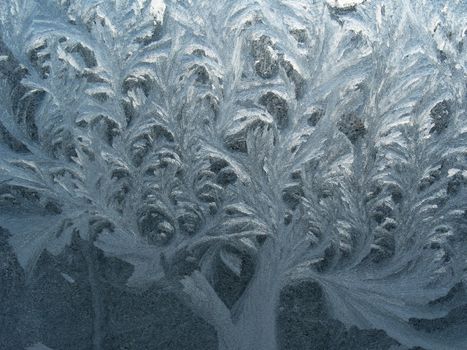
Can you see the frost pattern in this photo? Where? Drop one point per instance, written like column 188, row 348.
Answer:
column 309, row 140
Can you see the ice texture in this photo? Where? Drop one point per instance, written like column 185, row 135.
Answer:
column 233, row 175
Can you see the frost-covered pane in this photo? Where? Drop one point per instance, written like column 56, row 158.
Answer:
column 233, row 175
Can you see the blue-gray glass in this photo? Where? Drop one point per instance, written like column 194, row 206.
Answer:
column 233, row 175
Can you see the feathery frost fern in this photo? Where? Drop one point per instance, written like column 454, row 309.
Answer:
column 308, row 140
